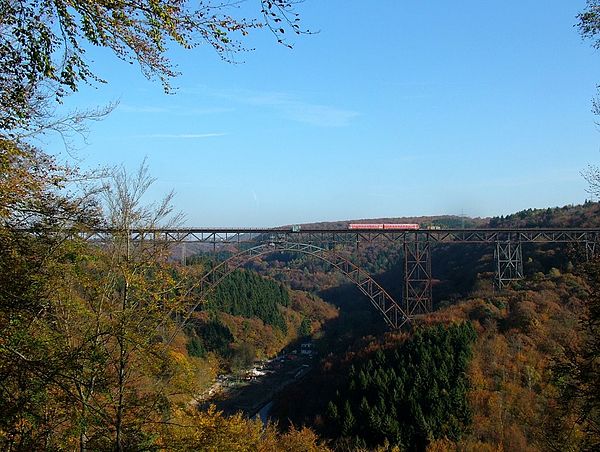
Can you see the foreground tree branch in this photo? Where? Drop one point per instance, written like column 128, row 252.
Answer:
column 43, row 43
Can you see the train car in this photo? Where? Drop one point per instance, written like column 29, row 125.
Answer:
column 404, row 226
column 365, row 226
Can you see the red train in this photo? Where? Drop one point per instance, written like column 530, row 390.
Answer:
column 404, row 226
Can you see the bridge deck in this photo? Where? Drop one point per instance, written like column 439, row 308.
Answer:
column 349, row 236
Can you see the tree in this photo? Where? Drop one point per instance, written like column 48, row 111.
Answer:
column 577, row 374
column 34, row 190
column 408, row 394
column 43, row 43
column 128, row 320
column 592, row 176
column 305, row 329
column 211, row 430
column 589, row 28
column 86, row 352
column 34, row 256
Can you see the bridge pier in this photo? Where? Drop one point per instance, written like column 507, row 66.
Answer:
column 417, row 275
column 591, row 249
column 508, row 257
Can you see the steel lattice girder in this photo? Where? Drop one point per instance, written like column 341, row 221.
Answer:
column 591, row 248
column 347, row 236
column 417, row 276
column 509, row 262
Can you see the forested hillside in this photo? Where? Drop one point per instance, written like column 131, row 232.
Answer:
column 519, row 364
column 407, row 394
column 246, row 294
column 249, row 317
column 504, row 379
column 574, row 216
column 518, row 381
column 92, row 354
column 457, row 268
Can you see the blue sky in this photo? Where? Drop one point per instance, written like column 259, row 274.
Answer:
column 393, row 108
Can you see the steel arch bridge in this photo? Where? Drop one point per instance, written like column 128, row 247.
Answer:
column 416, row 244
column 394, row 315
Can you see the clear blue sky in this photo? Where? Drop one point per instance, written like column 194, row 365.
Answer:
column 394, row 108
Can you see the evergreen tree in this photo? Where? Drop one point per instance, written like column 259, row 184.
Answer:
column 247, row 294
column 411, row 394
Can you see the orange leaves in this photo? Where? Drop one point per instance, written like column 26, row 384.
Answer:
column 511, row 391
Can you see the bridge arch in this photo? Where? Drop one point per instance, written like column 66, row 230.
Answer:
column 391, row 311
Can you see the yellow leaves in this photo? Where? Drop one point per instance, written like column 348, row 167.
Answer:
column 17, row 180
column 211, row 431
column 299, row 440
column 178, row 357
column 264, row 338
column 476, row 375
column 442, row 445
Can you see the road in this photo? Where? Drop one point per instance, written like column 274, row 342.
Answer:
column 250, row 396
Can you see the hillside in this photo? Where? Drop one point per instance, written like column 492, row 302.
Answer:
column 514, row 395
column 573, row 216
column 585, row 215
column 510, row 401
column 250, row 316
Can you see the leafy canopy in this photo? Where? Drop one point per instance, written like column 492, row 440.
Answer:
column 43, row 42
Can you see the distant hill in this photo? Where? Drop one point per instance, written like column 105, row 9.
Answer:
column 585, row 215
column 446, row 221
column 574, row 216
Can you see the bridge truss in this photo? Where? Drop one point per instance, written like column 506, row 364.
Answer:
column 352, row 236
column 417, row 246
